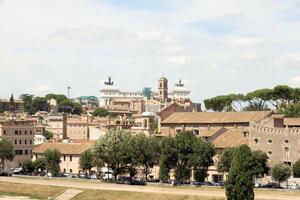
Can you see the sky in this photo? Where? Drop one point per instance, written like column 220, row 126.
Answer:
column 215, row 47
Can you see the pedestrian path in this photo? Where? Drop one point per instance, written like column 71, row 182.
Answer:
column 68, row 194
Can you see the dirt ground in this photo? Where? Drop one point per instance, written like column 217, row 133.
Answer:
column 205, row 192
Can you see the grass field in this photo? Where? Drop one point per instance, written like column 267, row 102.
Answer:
column 32, row 191
column 43, row 192
column 116, row 195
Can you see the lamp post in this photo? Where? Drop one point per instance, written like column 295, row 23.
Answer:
column 69, row 92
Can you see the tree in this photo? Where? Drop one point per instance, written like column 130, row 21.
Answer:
column 58, row 97
column 11, row 103
column 100, row 112
column 184, row 153
column 146, row 152
column 240, row 184
column 292, row 110
column 6, row 152
column 40, row 164
column 219, row 103
column 257, row 100
column 27, row 98
column 281, row 172
column 225, row 159
column 110, row 150
column 40, row 104
column 52, row 160
column 201, row 159
column 67, row 106
column 296, row 169
column 48, row 135
column 260, row 163
column 27, row 167
column 86, row 161
column 168, row 157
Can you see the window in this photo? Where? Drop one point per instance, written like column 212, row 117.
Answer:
column 20, row 152
column 30, row 141
column 4, row 132
column 270, row 152
column 245, row 134
column 256, row 141
column 16, row 152
column 196, row 132
column 64, row 157
column 26, row 152
column 71, row 170
column 270, row 141
column 65, row 170
column 20, row 141
column 25, row 141
column 25, row 132
column 20, row 132
column 16, row 141
column 286, row 141
column 70, row 158
column 30, row 151
column 286, row 152
column 30, row 132
column 16, row 132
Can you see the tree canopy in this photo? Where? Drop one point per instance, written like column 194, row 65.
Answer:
column 282, row 98
column 6, row 152
column 52, row 160
column 100, row 112
column 183, row 153
column 281, row 172
column 240, row 184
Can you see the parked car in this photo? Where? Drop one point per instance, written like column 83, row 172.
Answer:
column 138, row 181
column 17, row 170
column 257, row 185
column 5, row 173
column 218, row 183
column 271, row 185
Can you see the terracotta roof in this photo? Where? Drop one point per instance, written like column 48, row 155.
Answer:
column 215, row 117
column 208, row 132
column 292, row 121
column 64, row 148
column 230, row 138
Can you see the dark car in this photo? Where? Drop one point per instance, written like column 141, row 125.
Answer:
column 5, row 173
column 138, row 182
column 272, row 185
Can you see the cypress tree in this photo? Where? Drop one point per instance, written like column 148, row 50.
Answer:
column 240, row 183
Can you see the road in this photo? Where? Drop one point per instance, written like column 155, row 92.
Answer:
column 205, row 192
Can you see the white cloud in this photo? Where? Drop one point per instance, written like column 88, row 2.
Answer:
column 244, row 42
column 289, row 60
column 178, row 60
column 295, row 80
column 47, row 42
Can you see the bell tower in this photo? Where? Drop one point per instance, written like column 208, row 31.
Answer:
column 163, row 89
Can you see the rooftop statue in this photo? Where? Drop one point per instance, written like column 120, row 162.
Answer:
column 110, row 82
column 179, row 84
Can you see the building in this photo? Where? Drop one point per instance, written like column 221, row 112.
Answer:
column 5, row 105
column 21, row 133
column 146, row 100
column 279, row 137
column 109, row 93
column 77, row 128
column 56, row 124
column 70, row 154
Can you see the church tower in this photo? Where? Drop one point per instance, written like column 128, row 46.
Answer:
column 163, row 89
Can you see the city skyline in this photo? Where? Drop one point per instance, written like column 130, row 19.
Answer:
column 216, row 48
